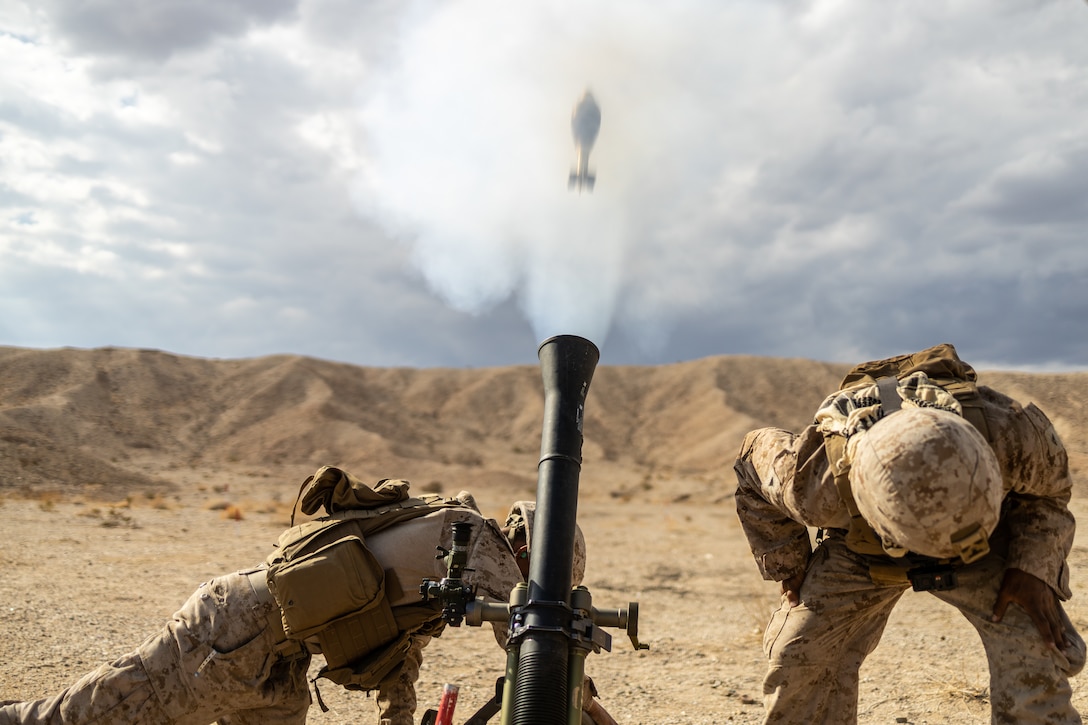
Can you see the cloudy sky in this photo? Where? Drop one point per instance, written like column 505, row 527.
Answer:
column 385, row 182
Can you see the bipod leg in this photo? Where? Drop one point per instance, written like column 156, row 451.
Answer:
column 490, row 708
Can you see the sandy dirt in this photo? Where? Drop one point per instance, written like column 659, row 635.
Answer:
column 128, row 477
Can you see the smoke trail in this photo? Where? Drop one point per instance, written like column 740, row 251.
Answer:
column 471, row 149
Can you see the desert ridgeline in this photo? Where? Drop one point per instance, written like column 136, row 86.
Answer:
column 109, row 423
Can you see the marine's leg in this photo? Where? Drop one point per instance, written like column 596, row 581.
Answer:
column 291, row 698
column 220, row 656
column 815, row 649
column 1029, row 682
column 397, row 695
column 118, row 692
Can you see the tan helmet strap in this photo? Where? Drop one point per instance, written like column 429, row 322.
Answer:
column 972, row 543
column 860, row 537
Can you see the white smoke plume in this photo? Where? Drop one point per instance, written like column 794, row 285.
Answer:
column 470, row 149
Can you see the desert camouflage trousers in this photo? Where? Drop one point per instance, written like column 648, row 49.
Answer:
column 816, row 649
column 397, row 694
column 221, row 657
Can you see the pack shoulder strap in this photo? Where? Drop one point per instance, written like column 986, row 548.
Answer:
column 888, row 387
column 974, row 410
column 860, row 537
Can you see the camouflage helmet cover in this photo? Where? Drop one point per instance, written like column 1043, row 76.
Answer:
column 521, row 518
column 927, row 482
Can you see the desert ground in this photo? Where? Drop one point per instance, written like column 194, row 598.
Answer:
column 129, row 476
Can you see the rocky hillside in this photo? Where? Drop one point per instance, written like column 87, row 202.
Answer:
column 116, row 422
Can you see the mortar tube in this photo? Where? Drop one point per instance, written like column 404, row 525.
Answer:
column 541, row 689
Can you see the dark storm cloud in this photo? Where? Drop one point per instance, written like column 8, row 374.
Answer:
column 156, row 29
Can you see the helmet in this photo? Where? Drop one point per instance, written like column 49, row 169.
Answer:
column 521, row 518
column 927, row 482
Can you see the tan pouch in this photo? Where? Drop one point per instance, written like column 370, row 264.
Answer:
column 334, row 581
column 358, row 634
column 367, row 673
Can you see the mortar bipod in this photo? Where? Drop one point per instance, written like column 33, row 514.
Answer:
column 585, row 634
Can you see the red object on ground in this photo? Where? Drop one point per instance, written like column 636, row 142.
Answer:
column 447, row 705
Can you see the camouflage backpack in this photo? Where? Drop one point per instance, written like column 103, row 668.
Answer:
column 330, row 586
column 942, row 365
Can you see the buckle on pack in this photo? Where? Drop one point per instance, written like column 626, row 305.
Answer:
column 932, row 578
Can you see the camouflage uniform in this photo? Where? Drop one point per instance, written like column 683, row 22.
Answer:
column 224, row 656
column 815, row 649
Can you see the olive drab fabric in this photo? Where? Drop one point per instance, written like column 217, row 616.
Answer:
column 335, row 490
column 938, row 362
column 331, row 587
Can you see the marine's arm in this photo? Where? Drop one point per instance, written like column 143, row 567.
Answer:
column 1036, row 467
column 780, row 493
column 493, row 572
column 779, row 544
column 1035, row 463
